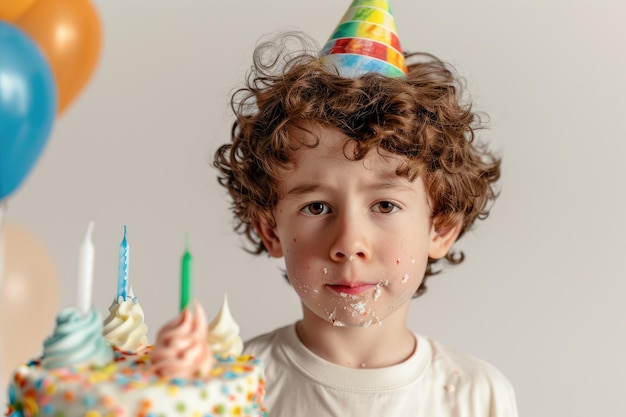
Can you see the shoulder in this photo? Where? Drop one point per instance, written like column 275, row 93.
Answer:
column 473, row 380
column 276, row 351
column 262, row 345
column 448, row 359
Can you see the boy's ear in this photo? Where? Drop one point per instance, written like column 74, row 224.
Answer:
column 442, row 240
column 269, row 238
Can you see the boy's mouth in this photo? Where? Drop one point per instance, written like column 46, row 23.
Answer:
column 354, row 288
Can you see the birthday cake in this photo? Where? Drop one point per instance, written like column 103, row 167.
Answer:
column 93, row 368
column 85, row 372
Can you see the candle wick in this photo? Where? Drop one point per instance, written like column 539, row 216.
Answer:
column 89, row 230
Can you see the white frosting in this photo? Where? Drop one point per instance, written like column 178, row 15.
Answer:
column 224, row 333
column 125, row 326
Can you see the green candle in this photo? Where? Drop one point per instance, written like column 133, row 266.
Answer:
column 185, row 277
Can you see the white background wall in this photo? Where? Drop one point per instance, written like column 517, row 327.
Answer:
column 542, row 292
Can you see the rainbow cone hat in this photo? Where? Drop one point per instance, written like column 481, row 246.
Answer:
column 365, row 41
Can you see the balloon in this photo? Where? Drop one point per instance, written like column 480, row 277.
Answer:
column 68, row 31
column 27, row 106
column 12, row 9
column 29, row 296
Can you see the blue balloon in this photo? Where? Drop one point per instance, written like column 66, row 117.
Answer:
column 28, row 104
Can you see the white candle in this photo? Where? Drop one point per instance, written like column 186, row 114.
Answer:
column 85, row 272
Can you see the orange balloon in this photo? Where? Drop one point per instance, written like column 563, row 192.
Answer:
column 69, row 33
column 12, row 9
column 29, row 297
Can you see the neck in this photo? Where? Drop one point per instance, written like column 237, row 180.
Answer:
column 377, row 346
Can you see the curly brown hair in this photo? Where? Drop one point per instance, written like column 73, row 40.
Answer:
column 422, row 117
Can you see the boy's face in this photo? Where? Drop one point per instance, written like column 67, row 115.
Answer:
column 355, row 236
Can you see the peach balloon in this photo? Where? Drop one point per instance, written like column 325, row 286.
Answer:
column 29, row 295
column 12, row 9
column 69, row 34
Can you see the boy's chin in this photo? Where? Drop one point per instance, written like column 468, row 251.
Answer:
column 355, row 325
column 356, row 312
column 363, row 317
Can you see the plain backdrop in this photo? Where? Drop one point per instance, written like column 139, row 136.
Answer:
column 542, row 292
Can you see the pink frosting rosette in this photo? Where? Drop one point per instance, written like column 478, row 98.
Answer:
column 181, row 349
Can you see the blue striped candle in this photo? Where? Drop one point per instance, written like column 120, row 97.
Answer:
column 122, row 272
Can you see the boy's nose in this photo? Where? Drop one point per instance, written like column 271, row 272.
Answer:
column 350, row 241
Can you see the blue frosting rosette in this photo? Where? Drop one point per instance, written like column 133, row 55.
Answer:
column 77, row 340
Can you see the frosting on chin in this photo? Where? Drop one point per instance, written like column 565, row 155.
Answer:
column 224, row 333
column 181, row 349
column 125, row 326
column 77, row 340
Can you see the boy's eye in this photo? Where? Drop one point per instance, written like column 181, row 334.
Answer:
column 316, row 209
column 385, row 207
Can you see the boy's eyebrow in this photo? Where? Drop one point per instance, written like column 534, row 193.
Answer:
column 302, row 189
column 391, row 185
column 309, row 187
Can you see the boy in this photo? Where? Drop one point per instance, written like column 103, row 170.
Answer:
column 362, row 175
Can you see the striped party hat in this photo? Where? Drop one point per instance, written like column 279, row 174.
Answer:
column 365, row 41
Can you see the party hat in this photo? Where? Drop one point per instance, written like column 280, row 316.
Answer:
column 365, row 41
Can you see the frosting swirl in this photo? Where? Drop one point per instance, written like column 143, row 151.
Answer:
column 181, row 349
column 224, row 333
column 125, row 326
column 77, row 340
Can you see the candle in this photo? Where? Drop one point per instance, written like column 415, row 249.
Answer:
column 85, row 272
column 185, row 277
column 122, row 272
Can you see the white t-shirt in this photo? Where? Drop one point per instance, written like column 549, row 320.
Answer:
column 434, row 382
